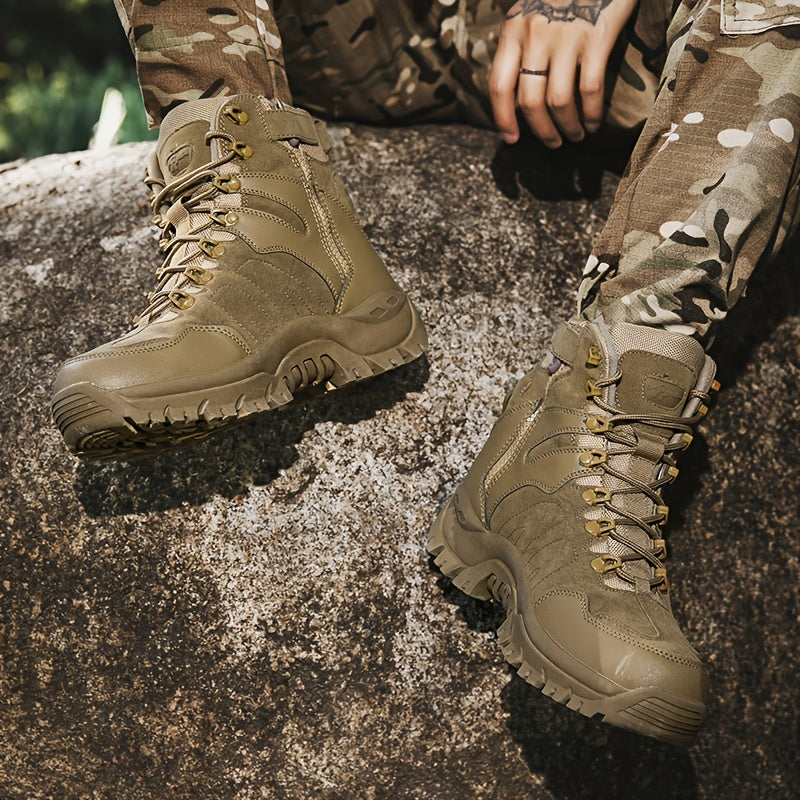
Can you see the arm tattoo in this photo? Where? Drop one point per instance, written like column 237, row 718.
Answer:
column 560, row 10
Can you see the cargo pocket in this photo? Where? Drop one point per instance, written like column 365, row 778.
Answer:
column 739, row 16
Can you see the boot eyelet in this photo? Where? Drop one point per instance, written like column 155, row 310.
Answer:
column 596, row 496
column 182, row 300
column 600, row 527
column 593, row 357
column 598, row 424
column 211, row 248
column 223, row 217
column 673, row 473
column 198, row 275
column 592, row 389
column 593, row 458
column 660, row 548
column 606, row 563
column 663, row 512
column 661, row 575
column 236, row 114
column 227, row 183
column 242, row 150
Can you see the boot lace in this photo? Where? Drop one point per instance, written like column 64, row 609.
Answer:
column 624, row 443
column 172, row 204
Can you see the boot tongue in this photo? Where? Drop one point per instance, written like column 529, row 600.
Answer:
column 182, row 140
column 659, row 369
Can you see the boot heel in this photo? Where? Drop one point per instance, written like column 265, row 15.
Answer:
column 471, row 579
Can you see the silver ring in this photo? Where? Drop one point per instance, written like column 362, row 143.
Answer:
column 543, row 73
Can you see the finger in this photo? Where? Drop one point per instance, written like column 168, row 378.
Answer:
column 532, row 93
column 503, row 81
column 591, row 84
column 532, row 102
column 561, row 92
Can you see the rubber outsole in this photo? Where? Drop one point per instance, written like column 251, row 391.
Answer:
column 100, row 425
column 650, row 711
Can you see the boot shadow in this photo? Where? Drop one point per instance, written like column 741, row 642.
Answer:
column 482, row 616
column 586, row 758
column 773, row 294
column 680, row 497
column 251, row 453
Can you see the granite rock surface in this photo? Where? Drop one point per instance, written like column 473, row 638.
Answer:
column 255, row 617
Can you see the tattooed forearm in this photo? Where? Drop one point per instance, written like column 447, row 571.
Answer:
column 560, row 10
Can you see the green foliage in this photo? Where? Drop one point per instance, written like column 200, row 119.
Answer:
column 55, row 113
column 57, row 58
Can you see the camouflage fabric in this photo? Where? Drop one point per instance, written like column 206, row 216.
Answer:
column 358, row 59
column 636, row 65
column 711, row 190
column 384, row 62
column 756, row 17
column 188, row 50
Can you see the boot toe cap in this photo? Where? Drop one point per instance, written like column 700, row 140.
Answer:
column 133, row 362
column 103, row 397
column 611, row 655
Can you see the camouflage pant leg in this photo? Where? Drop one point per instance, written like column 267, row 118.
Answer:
column 711, row 189
column 367, row 60
column 359, row 59
column 383, row 62
column 185, row 49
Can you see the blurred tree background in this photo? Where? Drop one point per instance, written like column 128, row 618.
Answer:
column 57, row 58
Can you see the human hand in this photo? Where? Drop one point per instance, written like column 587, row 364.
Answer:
column 546, row 47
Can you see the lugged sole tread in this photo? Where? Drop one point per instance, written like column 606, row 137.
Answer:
column 174, row 425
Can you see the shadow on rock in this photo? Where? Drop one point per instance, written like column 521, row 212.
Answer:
column 482, row 616
column 772, row 295
column 249, row 454
column 680, row 497
column 585, row 758
column 138, row 699
column 572, row 172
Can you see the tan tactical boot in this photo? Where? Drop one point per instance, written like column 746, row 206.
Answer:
column 560, row 519
column 269, row 286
